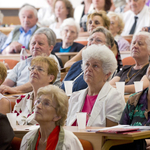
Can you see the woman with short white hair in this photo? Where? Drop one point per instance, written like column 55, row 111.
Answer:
column 69, row 32
column 116, row 28
column 102, row 103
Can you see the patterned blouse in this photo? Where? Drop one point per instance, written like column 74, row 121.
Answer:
column 135, row 112
column 24, row 109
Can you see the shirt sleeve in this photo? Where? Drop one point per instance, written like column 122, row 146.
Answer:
column 8, row 41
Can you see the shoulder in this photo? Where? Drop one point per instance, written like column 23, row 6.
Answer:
column 78, row 44
column 57, row 47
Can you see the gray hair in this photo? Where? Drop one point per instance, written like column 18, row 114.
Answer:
column 147, row 40
column 103, row 54
column 28, row 7
column 108, row 35
column 1, row 17
column 119, row 3
column 49, row 33
column 70, row 22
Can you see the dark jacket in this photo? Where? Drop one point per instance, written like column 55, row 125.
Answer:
column 76, row 47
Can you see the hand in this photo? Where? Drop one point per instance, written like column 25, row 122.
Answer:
column 148, row 73
column 6, row 89
column 14, row 47
column 145, row 29
column 6, row 65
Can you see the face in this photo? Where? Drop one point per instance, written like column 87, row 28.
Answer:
column 93, row 73
column 94, row 22
column 97, row 38
column 69, row 34
column 39, row 75
column 61, row 10
column 39, row 45
column 45, row 110
column 114, row 27
column 27, row 19
column 99, row 4
column 139, row 49
column 136, row 5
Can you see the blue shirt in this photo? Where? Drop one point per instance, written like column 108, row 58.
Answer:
column 24, row 38
column 65, row 50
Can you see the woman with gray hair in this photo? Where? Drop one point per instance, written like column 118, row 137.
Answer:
column 102, row 103
column 51, row 109
column 116, row 28
column 69, row 32
column 140, row 51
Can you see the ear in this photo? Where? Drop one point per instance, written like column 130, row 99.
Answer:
column 51, row 78
column 50, row 49
column 107, row 76
column 56, row 118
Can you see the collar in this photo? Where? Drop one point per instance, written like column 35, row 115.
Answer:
column 142, row 13
column 31, row 30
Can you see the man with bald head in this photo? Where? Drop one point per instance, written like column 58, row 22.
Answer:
column 21, row 35
column 136, row 18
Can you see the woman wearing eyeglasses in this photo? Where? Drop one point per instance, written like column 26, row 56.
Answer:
column 51, row 107
column 43, row 71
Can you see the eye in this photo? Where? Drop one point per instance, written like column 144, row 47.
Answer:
column 46, row 103
column 97, row 22
column 90, row 22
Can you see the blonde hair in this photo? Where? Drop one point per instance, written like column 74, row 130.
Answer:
column 52, row 65
column 3, row 72
column 59, row 97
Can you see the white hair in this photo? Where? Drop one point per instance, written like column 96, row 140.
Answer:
column 28, row 7
column 1, row 17
column 103, row 54
column 147, row 39
column 70, row 22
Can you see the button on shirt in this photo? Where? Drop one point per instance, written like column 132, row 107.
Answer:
column 24, row 38
column 143, row 20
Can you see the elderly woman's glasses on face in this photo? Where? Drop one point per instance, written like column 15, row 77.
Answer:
column 45, row 103
column 38, row 69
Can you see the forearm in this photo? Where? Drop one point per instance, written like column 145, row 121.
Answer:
column 129, row 88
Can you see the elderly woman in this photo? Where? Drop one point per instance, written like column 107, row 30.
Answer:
column 69, row 32
column 63, row 9
column 51, row 108
column 43, row 71
column 103, row 103
column 116, row 28
column 140, row 51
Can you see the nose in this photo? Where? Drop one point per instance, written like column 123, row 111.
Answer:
column 89, row 68
column 39, row 105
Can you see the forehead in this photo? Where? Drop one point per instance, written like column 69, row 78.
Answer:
column 71, row 28
column 96, row 17
column 140, row 38
column 98, row 35
column 39, row 37
column 25, row 11
column 137, row 1
column 93, row 61
column 60, row 3
column 39, row 63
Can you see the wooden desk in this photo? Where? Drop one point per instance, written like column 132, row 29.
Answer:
column 11, row 56
column 6, row 30
column 100, row 141
column 66, row 56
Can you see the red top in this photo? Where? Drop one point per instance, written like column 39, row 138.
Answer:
column 52, row 139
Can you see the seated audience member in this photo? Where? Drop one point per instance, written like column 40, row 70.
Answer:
column 103, row 103
column 7, row 133
column 140, row 51
column 63, row 9
column 136, row 18
column 69, row 32
column 46, row 15
column 3, row 37
column 21, row 35
column 81, row 12
column 51, row 108
column 43, row 71
column 100, row 35
column 119, row 5
column 42, row 43
column 116, row 28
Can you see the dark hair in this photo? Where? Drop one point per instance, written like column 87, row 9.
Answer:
column 108, row 4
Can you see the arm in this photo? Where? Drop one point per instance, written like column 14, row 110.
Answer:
column 4, row 106
column 110, row 123
column 114, row 80
column 25, row 88
column 76, row 58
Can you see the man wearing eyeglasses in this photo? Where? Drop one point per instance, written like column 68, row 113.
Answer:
column 41, row 44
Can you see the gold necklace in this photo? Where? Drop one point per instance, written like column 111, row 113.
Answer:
column 128, row 78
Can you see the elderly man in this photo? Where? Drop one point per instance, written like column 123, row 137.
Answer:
column 137, row 17
column 42, row 43
column 21, row 35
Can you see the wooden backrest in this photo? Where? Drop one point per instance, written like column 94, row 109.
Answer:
column 16, row 142
column 86, row 144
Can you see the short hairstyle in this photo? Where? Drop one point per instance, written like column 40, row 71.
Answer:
column 147, row 40
column 68, row 6
column 118, row 18
column 103, row 15
column 52, row 65
column 1, row 17
column 28, row 7
column 60, row 98
column 108, row 35
column 49, row 33
column 70, row 22
column 3, row 72
column 103, row 54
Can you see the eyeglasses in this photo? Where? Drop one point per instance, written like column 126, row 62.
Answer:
column 45, row 103
column 38, row 69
